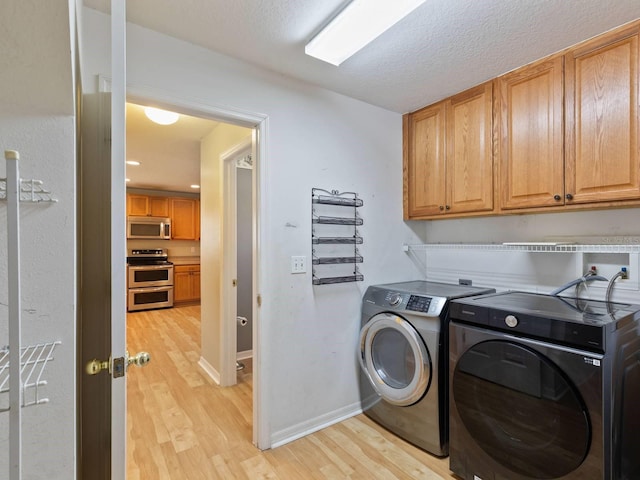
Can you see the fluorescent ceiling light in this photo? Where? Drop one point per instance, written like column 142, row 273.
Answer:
column 195, row 186
column 357, row 25
column 162, row 117
column 133, row 162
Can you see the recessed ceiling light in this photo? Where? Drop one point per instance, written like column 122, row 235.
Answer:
column 127, row 179
column 357, row 25
column 195, row 186
column 162, row 117
column 133, row 162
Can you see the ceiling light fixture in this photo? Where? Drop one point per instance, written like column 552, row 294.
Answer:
column 357, row 25
column 133, row 162
column 162, row 117
column 195, row 186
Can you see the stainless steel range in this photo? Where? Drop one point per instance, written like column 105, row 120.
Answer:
column 149, row 279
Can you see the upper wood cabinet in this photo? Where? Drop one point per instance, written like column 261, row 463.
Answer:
column 147, row 205
column 184, row 218
column 530, row 146
column 601, row 78
column 448, row 156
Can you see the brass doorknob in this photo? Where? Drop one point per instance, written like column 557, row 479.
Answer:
column 140, row 359
column 95, row 366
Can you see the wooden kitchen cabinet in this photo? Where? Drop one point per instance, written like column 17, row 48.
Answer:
column 147, row 205
column 186, row 283
column 185, row 218
column 602, row 150
column 448, row 156
column 531, row 147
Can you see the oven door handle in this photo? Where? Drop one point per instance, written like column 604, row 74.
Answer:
column 150, row 267
column 151, row 289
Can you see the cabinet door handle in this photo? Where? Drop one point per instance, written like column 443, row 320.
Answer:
column 441, row 207
column 557, row 197
column 569, row 196
column 448, row 207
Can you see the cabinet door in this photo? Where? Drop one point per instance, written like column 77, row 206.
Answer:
column 159, row 206
column 424, row 162
column 602, row 119
column 137, row 205
column 531, row 145
column 183, row 214
column 469, row 152
column 195, row 276
column 181, row 284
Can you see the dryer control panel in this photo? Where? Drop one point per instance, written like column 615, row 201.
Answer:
column 415, row 303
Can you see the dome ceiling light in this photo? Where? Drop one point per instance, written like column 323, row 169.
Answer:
column 161, row 117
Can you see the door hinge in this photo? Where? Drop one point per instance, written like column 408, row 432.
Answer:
column 259, row 300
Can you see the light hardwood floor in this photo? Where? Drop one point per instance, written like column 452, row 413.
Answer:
column 181, row 425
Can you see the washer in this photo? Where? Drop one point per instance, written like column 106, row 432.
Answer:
column 544, row 387
column 402, row 354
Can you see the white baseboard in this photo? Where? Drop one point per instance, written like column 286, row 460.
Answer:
column 307, row 427
column 244, row 355
column 209, row 370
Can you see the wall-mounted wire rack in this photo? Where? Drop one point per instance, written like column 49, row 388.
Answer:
column 21, row 367
column 529, row 247
column 335, row 237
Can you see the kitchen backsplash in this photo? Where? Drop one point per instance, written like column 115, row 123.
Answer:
column 176, row 248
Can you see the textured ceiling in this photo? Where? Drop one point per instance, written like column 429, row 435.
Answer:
column 442, row 48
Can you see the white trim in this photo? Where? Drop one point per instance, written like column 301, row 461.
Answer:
column 309, row 426
column 244, row 355
column 259, row 123
column 209, row 370
column 229, row 295
column 118, row 238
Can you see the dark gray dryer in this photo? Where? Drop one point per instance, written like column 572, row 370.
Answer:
column 544, row 387
column 403, row 357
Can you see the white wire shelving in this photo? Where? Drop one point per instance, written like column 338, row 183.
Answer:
column 529, row 247
column 33, row 361
column 21, row 367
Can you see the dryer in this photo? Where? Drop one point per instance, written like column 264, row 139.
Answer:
column 403, row 352
column 544, row 387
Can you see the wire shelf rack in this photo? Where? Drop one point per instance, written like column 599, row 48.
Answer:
column 533, row 247
column 31, row 190
column 33, row 361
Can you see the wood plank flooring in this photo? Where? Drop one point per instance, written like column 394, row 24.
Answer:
column 182, row 426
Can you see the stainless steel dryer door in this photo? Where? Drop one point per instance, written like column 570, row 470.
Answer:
column 395, row 359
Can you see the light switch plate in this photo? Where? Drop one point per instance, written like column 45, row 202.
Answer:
column 298, row 264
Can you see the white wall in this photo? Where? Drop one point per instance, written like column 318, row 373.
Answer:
column 315, row 138
column 535, row 271
column 37, row 119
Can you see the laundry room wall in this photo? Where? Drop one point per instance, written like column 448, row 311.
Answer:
column 315, row 138
column 37, row 119
column 537, row 272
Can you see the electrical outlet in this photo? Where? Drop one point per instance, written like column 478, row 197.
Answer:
column 298, row 264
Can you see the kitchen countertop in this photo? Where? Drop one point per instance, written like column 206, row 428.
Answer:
column 185, row 260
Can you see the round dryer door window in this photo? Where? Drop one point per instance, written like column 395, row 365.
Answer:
column 521, row 409
column 395, row 359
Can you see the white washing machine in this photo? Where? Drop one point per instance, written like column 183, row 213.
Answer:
column 403, row 352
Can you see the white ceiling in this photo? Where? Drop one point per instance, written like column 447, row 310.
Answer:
column 169, row 155
column 443, row 47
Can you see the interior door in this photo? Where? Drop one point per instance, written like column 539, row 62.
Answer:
column 102, row 259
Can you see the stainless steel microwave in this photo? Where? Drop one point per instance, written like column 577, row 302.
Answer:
column 152, row 228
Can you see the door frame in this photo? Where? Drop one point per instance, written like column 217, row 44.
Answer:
column 229, row 297
column 259, row 124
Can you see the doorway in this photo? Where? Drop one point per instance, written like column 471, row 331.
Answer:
column 181, row 336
